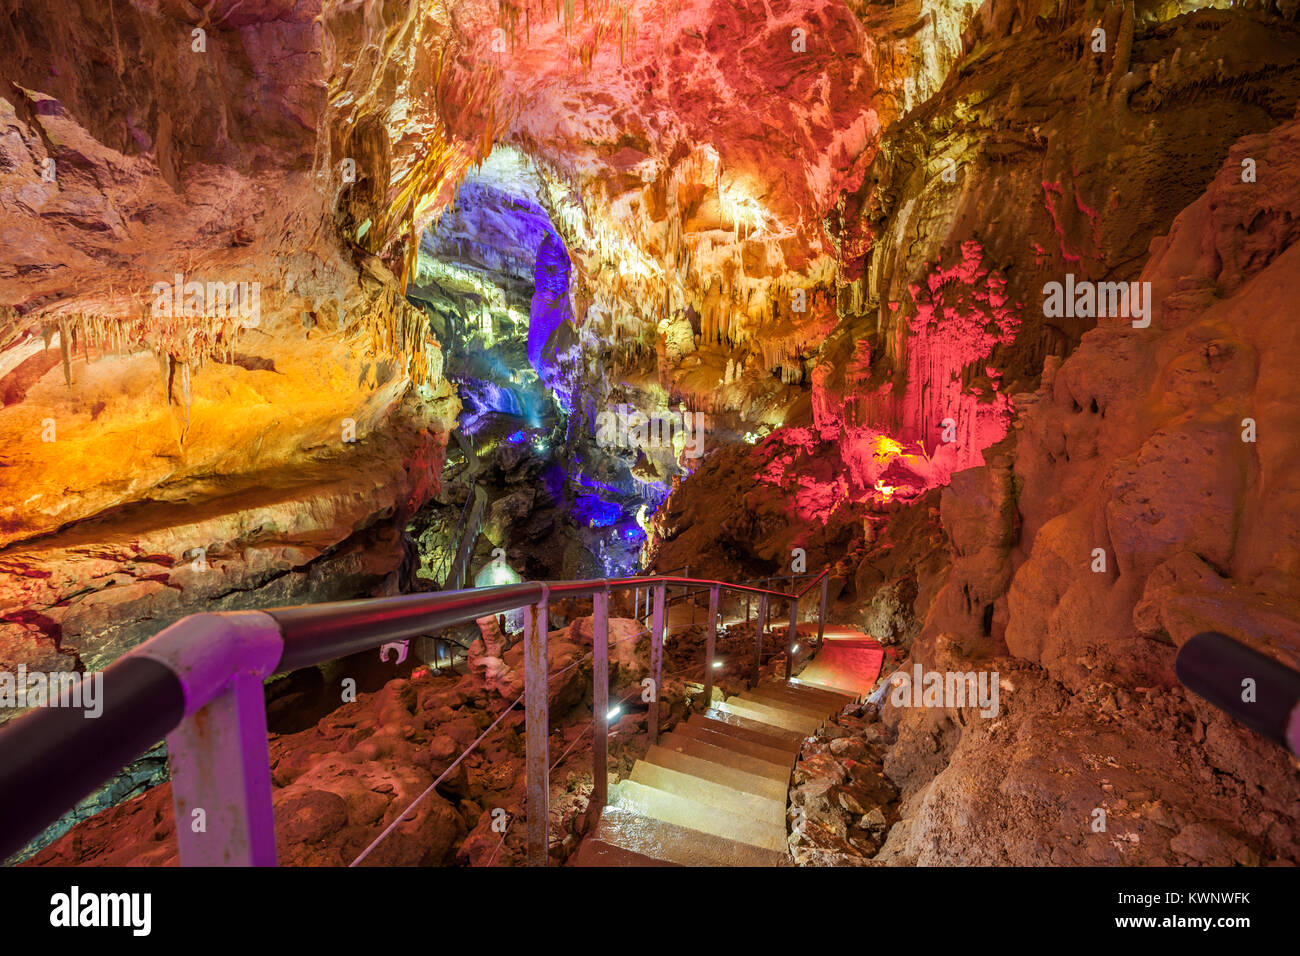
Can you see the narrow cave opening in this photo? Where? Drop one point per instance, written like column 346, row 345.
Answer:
column 493, row 276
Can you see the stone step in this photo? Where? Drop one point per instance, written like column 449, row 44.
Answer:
column 671, row 808
column 782, row 758
column 808, row 708
column 595, row 852
column 728, row 758
column 809, row 692
column 746, row 805
column 812, row 708
column 772, row 715
column 684, row 846
column 784, row 745
column 793, row 737
column 844, row 691
column 727, row 776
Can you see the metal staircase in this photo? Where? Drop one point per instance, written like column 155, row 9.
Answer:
column 456, row 572
column 453, row 572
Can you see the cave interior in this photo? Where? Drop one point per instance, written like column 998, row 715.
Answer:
column 970, row 320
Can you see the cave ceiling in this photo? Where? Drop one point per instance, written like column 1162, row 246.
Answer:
column 776, row 213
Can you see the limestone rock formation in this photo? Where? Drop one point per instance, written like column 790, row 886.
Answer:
column 1149, row 505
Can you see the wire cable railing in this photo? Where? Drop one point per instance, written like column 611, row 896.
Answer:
column 456, row 763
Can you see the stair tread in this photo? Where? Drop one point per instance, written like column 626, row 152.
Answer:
column 749, row 723
column 709, row 792
column 782, row 718
column 684, row 811
column 727, row 776
column 782, row 758
column 818, row 691
column 812, row 709
column 744, row 733
column 808, row 708
column 854, row 695
column 594, row 852
column 728, row 758
column 807, row 692
column 677, row 844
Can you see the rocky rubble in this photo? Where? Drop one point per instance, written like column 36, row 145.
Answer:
column 841, row 803
column 1109, row 777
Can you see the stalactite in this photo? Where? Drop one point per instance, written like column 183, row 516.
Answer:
column 65, row 350
column 1124, row 43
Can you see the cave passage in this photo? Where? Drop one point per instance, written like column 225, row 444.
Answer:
column 493, row 276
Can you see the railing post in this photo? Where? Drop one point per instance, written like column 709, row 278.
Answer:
column 220, row 766
column 759, row 628
column 709, row 642
column 599, row 702
column 821, row 614
column 218, row 757
column 793, row 637
column 656, row 661
column 688, row 593
column 537, row 730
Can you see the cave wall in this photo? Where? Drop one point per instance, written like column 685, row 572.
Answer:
column 1145, row 496
column 168, row 447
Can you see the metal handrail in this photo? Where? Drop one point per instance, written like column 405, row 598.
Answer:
column 638, row 612
column 199, row 684
column 816, row 579
column 1217, row 668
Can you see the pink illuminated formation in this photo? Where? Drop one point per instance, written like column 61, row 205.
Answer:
column 903, row 440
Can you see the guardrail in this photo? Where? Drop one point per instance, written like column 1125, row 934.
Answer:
column 1250, row 687
column 198, row 683
column 765, row 609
